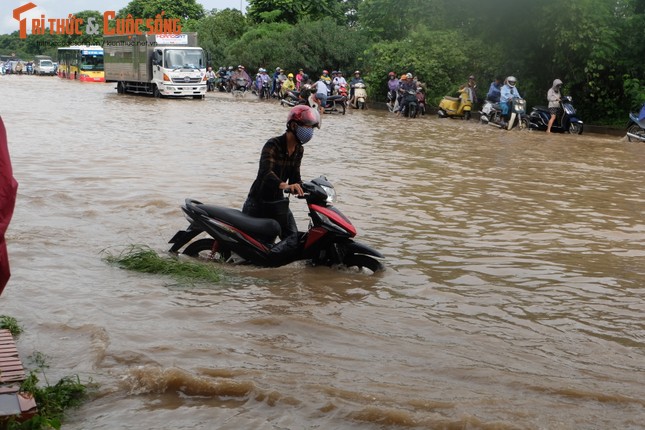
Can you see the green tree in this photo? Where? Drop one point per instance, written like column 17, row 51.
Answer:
column 186, row 10
column 394, row 19
column 441, row 65
column 261, row 46
column 292, row 11
column 311, row 45
column 218, row 31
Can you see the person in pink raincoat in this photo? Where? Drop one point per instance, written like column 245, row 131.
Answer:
column 8, row 188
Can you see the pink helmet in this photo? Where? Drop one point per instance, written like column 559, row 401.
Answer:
column 304, row 115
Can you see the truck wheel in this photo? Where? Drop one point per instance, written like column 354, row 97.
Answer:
column 156, row 92
column 120, row 88
column 198, row 97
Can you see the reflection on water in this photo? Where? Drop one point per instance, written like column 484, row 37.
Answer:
column 513, row 295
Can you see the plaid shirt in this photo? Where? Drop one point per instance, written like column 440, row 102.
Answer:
column 276, row 166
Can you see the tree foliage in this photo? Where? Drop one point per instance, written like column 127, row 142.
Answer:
column 218, row 31
column 595, row 46
column 186, row 10
column 292, row 11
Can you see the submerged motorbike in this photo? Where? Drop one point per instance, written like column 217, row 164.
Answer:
column 237, row 238
column 334, row 104
column 636, row 126
column 491, row 114
column 566, row 121
column 457, row 107
column 264, row 92
column 360, row 96
column 392, row 104
column 410, row 104
column 293, row 98
column 239, row 87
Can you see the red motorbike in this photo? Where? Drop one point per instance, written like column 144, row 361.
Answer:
column 237, row 238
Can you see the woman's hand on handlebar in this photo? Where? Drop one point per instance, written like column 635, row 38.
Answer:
column 292, row 189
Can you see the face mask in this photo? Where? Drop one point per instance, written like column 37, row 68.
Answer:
column 304, row 134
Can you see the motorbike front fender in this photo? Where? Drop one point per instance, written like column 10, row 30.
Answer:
column 360, row 248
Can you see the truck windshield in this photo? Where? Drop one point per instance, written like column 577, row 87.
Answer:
column 184, row 58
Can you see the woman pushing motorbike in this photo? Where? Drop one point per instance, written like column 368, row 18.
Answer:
column 279, row 172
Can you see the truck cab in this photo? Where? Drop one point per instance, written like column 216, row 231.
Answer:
column 179, row 71
column 170, row 65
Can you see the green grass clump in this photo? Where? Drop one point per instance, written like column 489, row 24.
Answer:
column 52, row 400
column 11, row 324
column 144, row 259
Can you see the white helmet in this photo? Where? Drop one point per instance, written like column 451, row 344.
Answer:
column 511, row 81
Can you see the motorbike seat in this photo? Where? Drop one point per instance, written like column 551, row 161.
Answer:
column 543, row 108
column 263, row 227
column 454, row 99
column 634, row 118
column 336, row 98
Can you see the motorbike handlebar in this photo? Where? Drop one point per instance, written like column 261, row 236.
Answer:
column 288, row 191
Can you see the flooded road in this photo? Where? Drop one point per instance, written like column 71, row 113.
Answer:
column 513, row 296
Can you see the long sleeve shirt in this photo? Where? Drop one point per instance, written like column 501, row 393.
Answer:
column 276, row 166
column 508, row 93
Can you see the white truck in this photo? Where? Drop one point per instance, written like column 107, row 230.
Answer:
column 164, row 65
column 43, row 65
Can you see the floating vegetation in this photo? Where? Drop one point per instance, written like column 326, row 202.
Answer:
column 11, row 324
column 141, row 258
column 52, row 401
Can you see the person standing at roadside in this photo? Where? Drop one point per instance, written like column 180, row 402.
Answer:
column 553, row 96
column 8, row 189
column 471, row 85
column 322, row 91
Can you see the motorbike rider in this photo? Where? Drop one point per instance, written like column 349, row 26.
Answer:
column 288, row 85
column 507, row 94
column 405, row 85
column 337, row 82
column 494, row 91
column 274, row 81
column 553, row 96
column 279, row 170
column 326, row 78
column 352, row 83
column 240, row 73
column 392, row 88
column 261, row 81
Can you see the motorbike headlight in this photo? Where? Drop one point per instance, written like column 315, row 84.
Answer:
column 331, row 194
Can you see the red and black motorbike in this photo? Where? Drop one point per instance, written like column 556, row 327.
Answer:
column 238, row 238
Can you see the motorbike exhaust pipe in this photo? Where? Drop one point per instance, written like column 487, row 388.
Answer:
column 636, row 136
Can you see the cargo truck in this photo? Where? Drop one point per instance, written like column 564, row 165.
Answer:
column 164, row 65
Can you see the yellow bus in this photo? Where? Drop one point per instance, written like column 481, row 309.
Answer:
column 84, row 63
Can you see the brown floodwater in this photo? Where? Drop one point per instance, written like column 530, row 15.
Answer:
column 513, row 295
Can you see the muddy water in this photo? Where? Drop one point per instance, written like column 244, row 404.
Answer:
column 513, row 296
